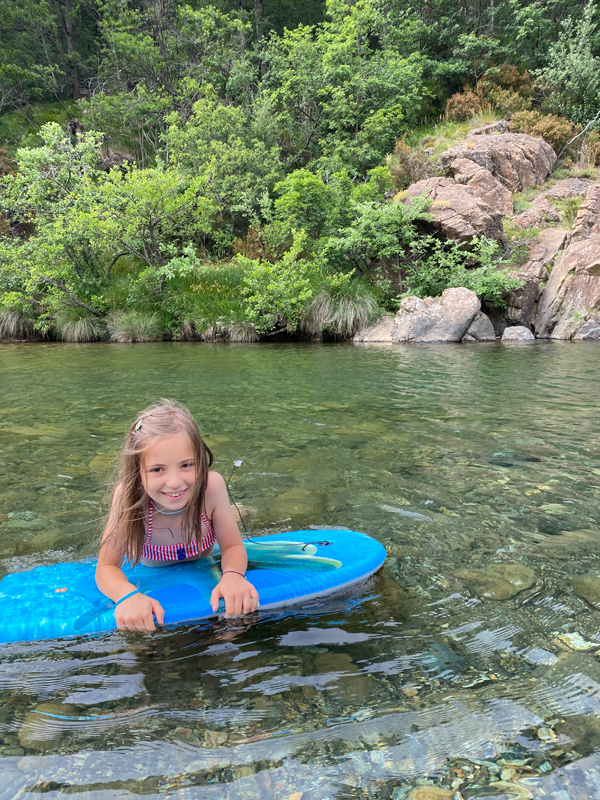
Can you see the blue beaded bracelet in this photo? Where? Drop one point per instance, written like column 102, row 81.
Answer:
column 127, row 596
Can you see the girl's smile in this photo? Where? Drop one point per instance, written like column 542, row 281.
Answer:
column 168, row 472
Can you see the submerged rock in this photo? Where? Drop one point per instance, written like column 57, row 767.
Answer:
column 44, row 724
column 588, row 587
column 498, row 581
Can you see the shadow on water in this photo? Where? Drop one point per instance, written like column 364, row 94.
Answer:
column 468, row 667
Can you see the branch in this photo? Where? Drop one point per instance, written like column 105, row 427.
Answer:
column 74, row 300
column 578, row 135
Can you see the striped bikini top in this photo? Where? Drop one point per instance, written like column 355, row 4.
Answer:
column 177, row 552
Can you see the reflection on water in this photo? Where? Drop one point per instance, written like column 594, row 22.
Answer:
column 469, row 665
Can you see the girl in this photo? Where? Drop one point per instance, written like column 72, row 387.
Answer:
column 169, row 507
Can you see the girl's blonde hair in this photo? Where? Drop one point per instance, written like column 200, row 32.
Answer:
column 129, row 505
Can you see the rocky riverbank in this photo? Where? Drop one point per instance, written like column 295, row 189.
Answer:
column 560, row 264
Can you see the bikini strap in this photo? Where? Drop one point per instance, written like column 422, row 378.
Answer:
column 150, row 511
column 208, row 524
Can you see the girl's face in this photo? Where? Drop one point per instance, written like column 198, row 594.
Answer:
column 168, row 472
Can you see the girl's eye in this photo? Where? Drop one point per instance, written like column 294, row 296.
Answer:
column 155, row 469
column 188, row 465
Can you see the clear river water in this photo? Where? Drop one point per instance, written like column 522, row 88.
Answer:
column 468, row 667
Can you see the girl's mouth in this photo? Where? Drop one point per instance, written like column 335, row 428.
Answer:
column 175, row 495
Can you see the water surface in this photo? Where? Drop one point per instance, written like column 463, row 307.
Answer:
column 468, row 664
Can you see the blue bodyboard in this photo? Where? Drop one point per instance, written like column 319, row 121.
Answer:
column 286, row 569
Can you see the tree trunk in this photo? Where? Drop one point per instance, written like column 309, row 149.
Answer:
column 71, row 56
column 258, row 17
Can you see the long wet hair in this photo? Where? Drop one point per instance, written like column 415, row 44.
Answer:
column 129, row 505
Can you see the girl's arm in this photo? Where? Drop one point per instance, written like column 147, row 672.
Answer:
column 135, row 613
column 239, row 595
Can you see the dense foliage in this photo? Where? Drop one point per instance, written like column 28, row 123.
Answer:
column 232, row 166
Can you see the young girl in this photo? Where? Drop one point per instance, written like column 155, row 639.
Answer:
column 168, row 507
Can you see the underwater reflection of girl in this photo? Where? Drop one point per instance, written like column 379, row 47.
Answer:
column 169, row 506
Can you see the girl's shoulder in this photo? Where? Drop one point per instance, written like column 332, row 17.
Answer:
column 215, row 482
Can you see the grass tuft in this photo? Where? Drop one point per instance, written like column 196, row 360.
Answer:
column 134, row 326
column 341, row 310
column 78, row 325
column 15, row 325
column 243, row 332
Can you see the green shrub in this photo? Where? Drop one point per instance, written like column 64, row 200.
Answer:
column 445, row 265
column 277, row 294
column 134, row 326
column 75, row 324
column 341, row 307
column 557, row 131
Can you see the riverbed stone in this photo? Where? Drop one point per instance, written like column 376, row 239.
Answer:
column 588, row 587
column 498, row 581
column 517, row 333
column 430, row 793
column 380, row 331
column 443, row 319
column 37, row 731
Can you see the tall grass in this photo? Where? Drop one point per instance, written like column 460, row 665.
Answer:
column 217, row 307
column 134, row 326
column 78, row 325
column 15, row 325
column 341, row 310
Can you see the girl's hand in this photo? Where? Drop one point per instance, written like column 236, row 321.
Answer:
column 135, row 613
column 239, row 595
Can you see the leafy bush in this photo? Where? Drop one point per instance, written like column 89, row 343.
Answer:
column 276, row 294
column 444, row 265
column 75, row 324
column 557, row 131
column 341, row 307
column 134, row 326
column 407, row 165
column 462, row 106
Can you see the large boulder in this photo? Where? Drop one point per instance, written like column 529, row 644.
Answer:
column 480, row 330
column 380, row 331
column 573, row 289
column 483, row 184
column 517, row 160
column 521, row 302
column 458, row 213
column 442, row 319
column 517, row 333
column 589, row 331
